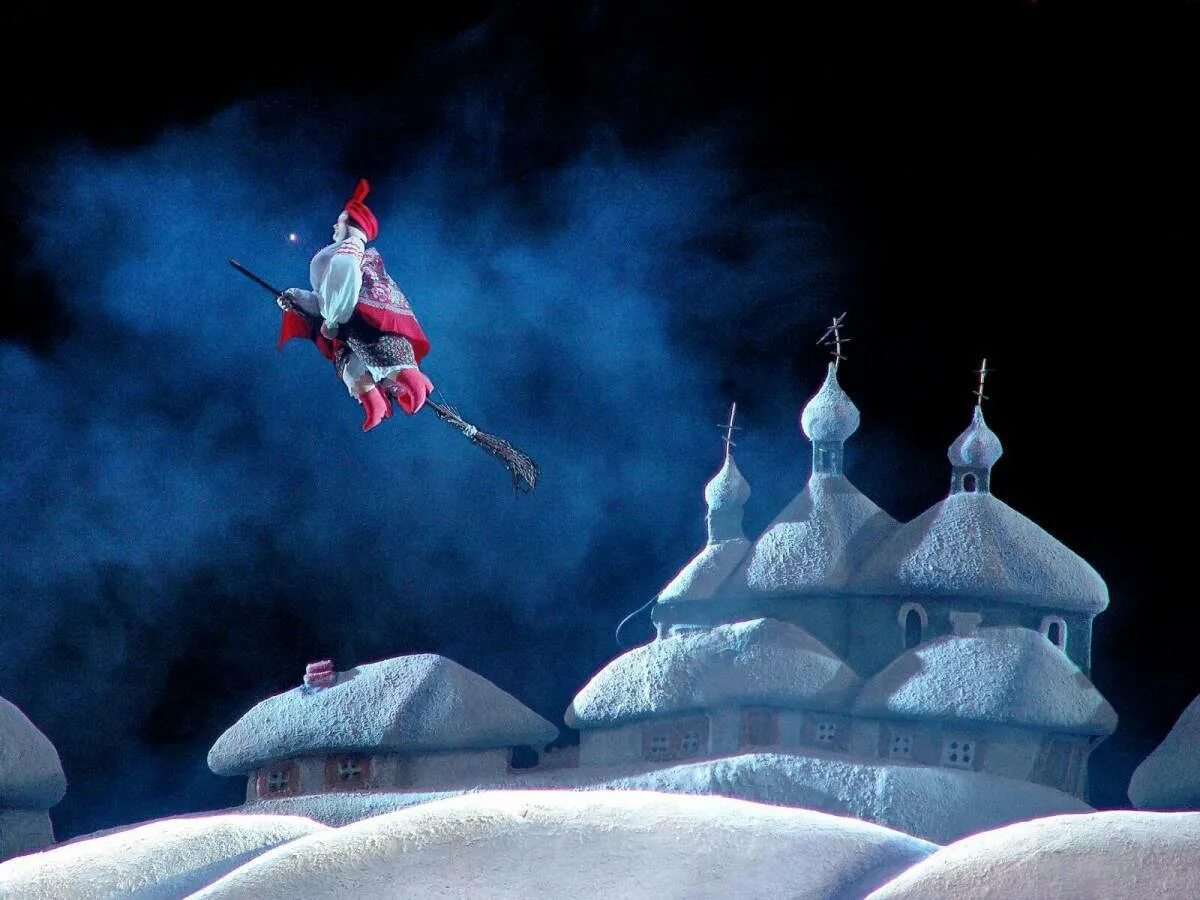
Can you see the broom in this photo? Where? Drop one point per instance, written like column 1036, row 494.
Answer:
column 524, row 471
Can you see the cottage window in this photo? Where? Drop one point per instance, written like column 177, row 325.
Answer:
column 346, row 773
column 660, row 745
column 902, row 743
column 826, row 732
column 958, row 753
column 760, row 727
column 279, row 780
column 970, row 483
column 689, row 745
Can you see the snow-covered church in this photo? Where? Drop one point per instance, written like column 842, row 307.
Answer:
column 929, row 676
column 961, row 639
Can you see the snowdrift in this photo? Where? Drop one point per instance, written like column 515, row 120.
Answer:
column 520, row 844
column 1106, row 854
column 162, row 859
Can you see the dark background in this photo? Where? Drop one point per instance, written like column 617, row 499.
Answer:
column 613, row 220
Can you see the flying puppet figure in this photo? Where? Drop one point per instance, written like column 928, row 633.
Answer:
column 360, row 320
column 367, row 326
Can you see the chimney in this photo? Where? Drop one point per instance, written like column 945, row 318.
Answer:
column 965, row 623
column 319, row 674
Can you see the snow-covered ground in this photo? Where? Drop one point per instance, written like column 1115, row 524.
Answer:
column 936, row 804
column 1102, row 855
column 523, row 844
column 163, row 859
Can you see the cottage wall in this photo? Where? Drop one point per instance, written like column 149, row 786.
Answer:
column 385, row 772
column 610, row 746
column 725, row 732
column 457, row 769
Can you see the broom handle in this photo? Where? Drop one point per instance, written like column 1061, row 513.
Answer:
column 442, row 411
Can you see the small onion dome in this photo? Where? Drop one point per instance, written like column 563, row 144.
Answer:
column 977, row 447
column 829, row 415
column 728, row 488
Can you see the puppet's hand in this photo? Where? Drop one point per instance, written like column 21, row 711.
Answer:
column 412, row 389
column 329, row 330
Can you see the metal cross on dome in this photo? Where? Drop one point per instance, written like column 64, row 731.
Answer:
column 729, row 428
column 833, row 338
column 982, row 372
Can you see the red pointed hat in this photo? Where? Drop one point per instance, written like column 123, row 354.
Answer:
column 357, row 210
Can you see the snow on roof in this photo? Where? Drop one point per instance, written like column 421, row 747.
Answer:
column 929, row 802
column 1003, row 676
column 1169, row 778
column 728, row 488
column 414, row 703
column 569, row 843
column 1104, row 854
column 166, row 858
column 977, row 447
column 830, row 415
column 31, row 775
column 974, row 545
column 701, row 577
column 815, row 543
column 761, row 661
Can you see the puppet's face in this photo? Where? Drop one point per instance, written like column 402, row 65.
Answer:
column 340, row 229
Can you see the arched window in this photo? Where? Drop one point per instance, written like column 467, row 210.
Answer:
column 1055, row 630
column 970, row 483
column 913, row 620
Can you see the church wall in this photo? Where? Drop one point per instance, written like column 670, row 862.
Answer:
column 875, row 638
column 865, row 739
column 875, row 633
column 791, row 723
column 1011, row 752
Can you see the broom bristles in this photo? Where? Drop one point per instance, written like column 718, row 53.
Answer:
column 521, row 467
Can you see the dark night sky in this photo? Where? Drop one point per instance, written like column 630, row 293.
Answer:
column 613, row 220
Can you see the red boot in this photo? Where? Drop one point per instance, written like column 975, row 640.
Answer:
column 412, row 388
column 376, row 407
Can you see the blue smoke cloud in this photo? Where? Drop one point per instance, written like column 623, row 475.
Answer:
column 191, row 515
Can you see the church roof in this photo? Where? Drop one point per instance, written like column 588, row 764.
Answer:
column 757, row 662
column 975, row 545
column 1002, row 676
column 815, row 543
